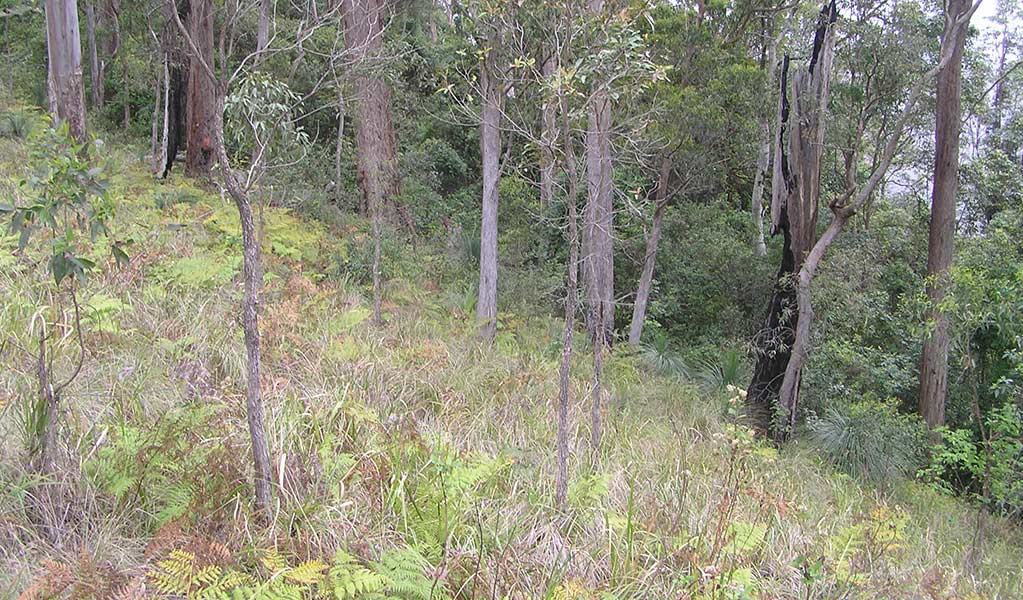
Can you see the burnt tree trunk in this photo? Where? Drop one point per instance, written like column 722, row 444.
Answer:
column 64, row 53
column 934, row 359
column 795, row 197
column 201, row 99
column 490, row 151
column 175, row 84
column 646, row 278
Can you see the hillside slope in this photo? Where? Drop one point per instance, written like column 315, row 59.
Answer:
column 410, row 461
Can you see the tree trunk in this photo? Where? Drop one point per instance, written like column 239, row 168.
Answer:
column 571, row 300
column 95, row 75
column 263, row 28
column 598, row 231
column 64, row 51
column 934, row 360
column 374, row 127
column 757, row 204
column 650, row 256
column 490, row 151
column 159, row 104
column 201, row 100
column 795, row 197
column 547, row 135
column 252, row 274
column 175, row 85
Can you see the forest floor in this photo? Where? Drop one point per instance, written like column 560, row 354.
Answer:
column 409, row 460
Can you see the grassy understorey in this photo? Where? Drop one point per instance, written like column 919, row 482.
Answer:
column 409, row 461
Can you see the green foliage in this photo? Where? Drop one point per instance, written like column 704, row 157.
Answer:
column 990, row 468
column 68, row 206
column 259, row 116
column 869, row 439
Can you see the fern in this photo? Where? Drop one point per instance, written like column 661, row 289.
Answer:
column 404, row 570
column 349, row 580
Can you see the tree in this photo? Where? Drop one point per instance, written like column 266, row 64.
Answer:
column 492, row 100
column 598, row 221
column 650, row 256
column 64, row 52
column 201, row 101
column 934, row 359
column 374, row 128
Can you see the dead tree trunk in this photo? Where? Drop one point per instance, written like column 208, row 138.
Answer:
column 201, row 111
column 64, row 53
column 175, row 85
column 795, row 196
column 650, row 256
column 934, row 360
column 490, row 150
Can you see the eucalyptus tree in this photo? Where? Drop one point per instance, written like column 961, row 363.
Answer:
column 64, row 53
column 934, row 359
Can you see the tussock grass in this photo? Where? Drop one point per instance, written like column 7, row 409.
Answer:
column 413, row 434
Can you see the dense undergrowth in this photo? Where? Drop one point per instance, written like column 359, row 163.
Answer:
column 409, row 461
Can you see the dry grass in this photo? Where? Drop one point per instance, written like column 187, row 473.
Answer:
column 370, row 429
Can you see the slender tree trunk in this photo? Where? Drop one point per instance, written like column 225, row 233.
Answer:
column 934, row 360
column 547, row 134
column 650, row 256
column 598, row 230
column 201, row 111
column 156, row 158
column 64, row 51
column 571, row 300
column 339, row 146
column 95, row 76
column 252, row 274
column 490, row 150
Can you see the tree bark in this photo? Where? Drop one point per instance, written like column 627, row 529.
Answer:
column 374, row 128
column 547, row 134
column 598, row 231
column 571, row 300
column 201, row 111
column 95, row 75
column 490, row 151
column 934, row 359
column 64, row 52
column 795, row 197
column 650, row 256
